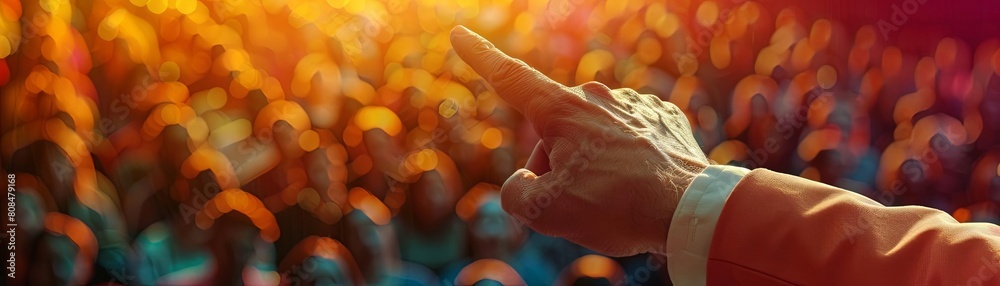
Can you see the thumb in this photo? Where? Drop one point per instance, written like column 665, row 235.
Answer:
column 523, row 196
column 538, row 161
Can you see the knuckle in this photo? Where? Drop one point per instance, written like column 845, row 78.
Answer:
column 627, row 93
column 650, row 99
column 670, row 107
column 596, row 88
column 629, row 96
column 644, row 140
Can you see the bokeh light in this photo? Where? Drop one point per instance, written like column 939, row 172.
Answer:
column 343, row 141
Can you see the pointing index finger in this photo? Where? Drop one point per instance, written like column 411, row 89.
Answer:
column 521, row 86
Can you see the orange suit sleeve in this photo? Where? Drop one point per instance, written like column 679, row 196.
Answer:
column 777, row 229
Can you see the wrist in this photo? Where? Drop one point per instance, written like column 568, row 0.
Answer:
column 678, row 180
column 693, row 224
column 675, row 182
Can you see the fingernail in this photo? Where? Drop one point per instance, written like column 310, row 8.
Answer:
column 465, row 39
column 461, row 32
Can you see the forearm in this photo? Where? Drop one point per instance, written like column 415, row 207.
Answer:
column 778, row 228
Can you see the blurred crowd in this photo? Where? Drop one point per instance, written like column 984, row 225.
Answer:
column 291, row 142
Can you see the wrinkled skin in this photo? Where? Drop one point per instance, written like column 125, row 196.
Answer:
column 611, row 166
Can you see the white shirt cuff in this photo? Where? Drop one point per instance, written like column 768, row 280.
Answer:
column 693, row 224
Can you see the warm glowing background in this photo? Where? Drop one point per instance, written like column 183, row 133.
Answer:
column 342, row 141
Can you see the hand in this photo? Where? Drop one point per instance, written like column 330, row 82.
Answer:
column 611, row 166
